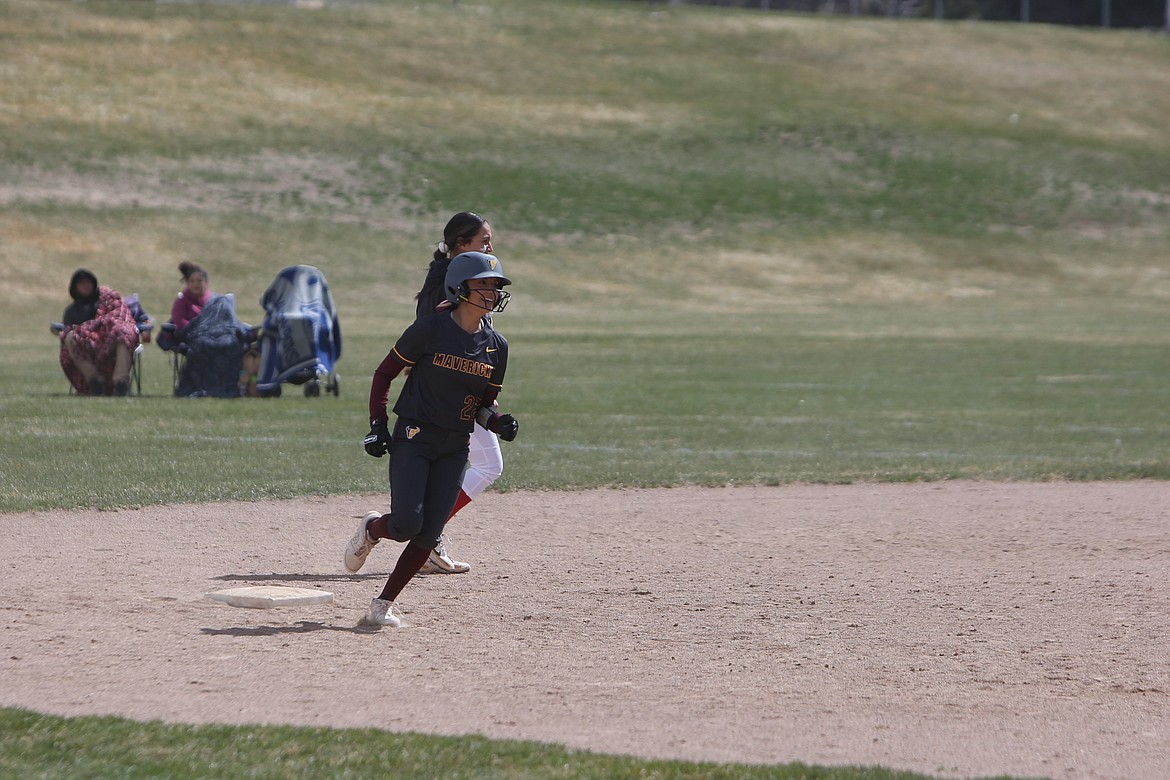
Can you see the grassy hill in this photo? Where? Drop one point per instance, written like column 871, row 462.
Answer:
column 748, row 247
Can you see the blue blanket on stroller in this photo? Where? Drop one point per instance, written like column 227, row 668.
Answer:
column 214, row 344
column 301, row 338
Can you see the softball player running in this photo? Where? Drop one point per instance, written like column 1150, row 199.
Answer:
column 464, row 232
column 457, row 362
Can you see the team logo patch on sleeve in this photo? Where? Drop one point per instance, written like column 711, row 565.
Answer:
column 412, row 431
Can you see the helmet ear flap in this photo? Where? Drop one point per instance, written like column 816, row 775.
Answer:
column 455, row 293
column 459, row 293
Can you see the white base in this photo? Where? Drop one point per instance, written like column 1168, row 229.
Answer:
column 268, row 596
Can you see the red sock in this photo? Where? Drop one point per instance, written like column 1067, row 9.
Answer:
column 460, row 502
column 409, row 562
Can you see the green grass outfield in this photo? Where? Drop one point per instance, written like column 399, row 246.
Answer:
column 34, row 746
column 748, row 248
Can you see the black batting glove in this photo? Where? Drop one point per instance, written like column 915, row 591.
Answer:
column 504, row 425
column 377, row 441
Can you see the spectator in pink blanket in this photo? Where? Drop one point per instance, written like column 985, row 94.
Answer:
column 193, row 297
column 98, row 337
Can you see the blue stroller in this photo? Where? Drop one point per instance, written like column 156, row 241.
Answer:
column 300, row 340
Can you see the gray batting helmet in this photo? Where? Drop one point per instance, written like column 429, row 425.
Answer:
column 474, row 265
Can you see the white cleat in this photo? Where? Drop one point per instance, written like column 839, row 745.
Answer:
column 439, row 562
column 360, row 545
column 381, row 613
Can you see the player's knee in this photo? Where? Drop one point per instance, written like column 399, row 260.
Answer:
column 490, row 472
column 404, row 526
column 491, row 466
column 476, row 480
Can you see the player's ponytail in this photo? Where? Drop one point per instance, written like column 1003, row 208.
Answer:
column 461, row 227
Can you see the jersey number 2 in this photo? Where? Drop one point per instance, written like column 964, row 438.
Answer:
column 470, row 407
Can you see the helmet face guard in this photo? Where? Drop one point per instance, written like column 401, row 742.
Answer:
column 502, row 297
column 475, row 265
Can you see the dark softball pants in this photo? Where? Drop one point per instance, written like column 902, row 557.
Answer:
column 426, row 473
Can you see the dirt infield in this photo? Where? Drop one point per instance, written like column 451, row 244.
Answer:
column 959, row 629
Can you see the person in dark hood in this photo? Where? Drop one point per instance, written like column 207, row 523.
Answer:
column 98, row 338
column 83, row 289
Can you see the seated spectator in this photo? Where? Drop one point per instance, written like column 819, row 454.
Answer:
column 192, row 298
column 98, row 338
column 213, row 346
